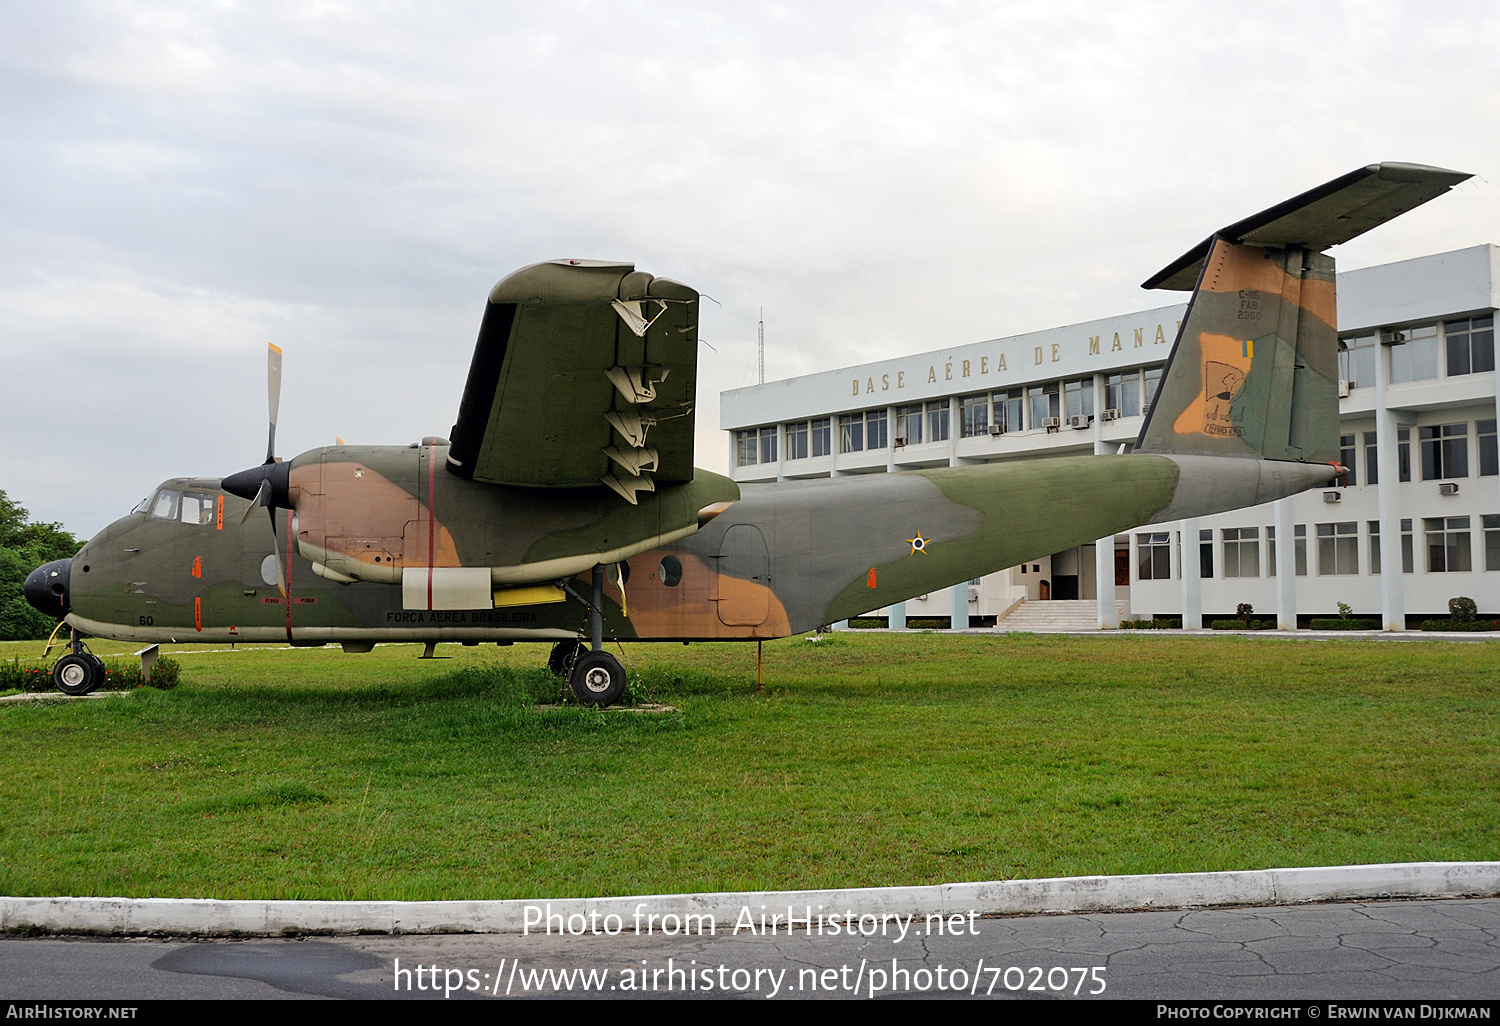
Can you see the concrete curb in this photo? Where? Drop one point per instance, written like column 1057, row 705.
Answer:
column 209, row 917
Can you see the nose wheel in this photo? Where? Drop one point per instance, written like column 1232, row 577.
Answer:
column 78, row 673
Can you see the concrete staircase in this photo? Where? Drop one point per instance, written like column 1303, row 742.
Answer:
column 1060, row 616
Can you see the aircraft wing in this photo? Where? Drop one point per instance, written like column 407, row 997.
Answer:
column 1333, row 213
column 585, row 373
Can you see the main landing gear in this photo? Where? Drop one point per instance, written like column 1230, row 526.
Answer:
column 594, row 676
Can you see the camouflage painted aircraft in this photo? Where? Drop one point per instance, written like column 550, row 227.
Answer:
column 565, row 507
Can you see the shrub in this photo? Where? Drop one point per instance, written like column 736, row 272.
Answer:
column 1344, row 623
column 35, row 675
column 1454, row 625
column 1462, row 609
column 1160, row 623
column 1243, row 611
column 1242, row 625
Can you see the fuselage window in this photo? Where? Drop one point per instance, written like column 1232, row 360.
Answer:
column 165, row 507
column 197, row 509
column 670, row 571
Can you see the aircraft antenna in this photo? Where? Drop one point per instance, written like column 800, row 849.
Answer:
column 760, row 345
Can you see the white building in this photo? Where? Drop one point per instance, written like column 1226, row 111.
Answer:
column 1418, row 427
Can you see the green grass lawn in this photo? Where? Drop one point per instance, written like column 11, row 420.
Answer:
column 869, row 760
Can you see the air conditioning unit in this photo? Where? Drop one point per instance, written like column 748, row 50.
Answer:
column 1333, row 496
column 1049, row 422
column 899, row 442
column 1447, row 487
column 1343, row 389
column 973, row 593
column 1078, row 420
column 1111, row 414
column 997, row 429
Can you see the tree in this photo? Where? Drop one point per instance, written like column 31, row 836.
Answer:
column 24, row 546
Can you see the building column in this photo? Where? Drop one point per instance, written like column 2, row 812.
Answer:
column 835, row 444
column 1104, row 548
column 958, row 595
column 896, row 612
column 1286, row 565
column 1192, row 576
column 896, row 616
column 1387, row 490
column 890, row 439
column 780, row 453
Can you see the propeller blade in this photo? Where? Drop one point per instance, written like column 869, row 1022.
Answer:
column 262, row 497
column 273, row 394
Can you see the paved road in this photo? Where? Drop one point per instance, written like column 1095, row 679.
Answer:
column 1445, row 949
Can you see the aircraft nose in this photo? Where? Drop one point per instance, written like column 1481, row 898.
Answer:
column 46, row 587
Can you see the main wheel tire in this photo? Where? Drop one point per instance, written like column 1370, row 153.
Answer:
column 77, row 674
column 597, row 679
column 564, row 655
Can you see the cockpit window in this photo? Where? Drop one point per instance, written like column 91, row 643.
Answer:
column 165, row 506
column 197, row 509
column 144, row 505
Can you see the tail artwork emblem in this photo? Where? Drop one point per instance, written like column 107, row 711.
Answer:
column 870, row 578
column 1221, row 383
column 918, row 544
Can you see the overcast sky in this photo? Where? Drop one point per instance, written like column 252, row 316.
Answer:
column 187, row 182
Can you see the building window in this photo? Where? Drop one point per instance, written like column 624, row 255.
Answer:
column 861, row 431
column 1372, row 459
column 1346, row 460
column 1122, row 393
column 1007, row 409
column 1445, row 451
column 852, row 432
column 974, row 416
column 1153, row 557
column 1357, row 361
column 1403, row 454
column 1489, row 454
column 746, row 448
column 1299, row 549
column 1414, row 353
column 796, row 440
column 1491, row 522
column 937, row 421
column 821, row 437
column 1407, row 561
column 1152, row 377
column 1338, row 549
column 1241, row 551
column 1078, row 398
column 1470, row 344
column 1043, row 401
column 1206, row 555
column 909, row 425
column 768, row 445
column 1447, row 545
column 1374, row 526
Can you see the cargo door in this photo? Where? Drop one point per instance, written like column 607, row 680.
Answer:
column 744, row 578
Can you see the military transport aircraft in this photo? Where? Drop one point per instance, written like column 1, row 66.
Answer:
column 564, row 506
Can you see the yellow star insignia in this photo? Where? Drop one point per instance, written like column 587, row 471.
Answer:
column 918, row 544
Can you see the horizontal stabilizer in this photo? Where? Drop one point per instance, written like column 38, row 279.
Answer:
column 1333, row 213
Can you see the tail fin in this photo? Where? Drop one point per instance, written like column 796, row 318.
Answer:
column 1254, row 371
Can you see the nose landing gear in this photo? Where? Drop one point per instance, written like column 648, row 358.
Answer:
column 79, row 672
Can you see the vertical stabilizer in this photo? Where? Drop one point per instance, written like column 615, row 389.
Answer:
column 1255, row 368
column 1254, row 371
